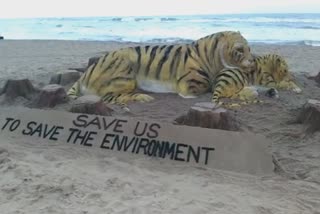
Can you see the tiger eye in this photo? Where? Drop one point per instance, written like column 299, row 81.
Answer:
column 241, row 50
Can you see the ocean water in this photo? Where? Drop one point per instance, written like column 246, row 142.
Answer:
column 265, row 28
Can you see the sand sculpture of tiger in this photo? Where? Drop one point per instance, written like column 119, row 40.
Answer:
column 274, row 72
column 270, row 72
column 186, row 69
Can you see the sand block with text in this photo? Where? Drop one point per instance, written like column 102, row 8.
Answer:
column 219, row 149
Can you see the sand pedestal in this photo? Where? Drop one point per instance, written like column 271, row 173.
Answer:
column 207, row 115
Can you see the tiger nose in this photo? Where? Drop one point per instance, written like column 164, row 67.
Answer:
column 251, row 64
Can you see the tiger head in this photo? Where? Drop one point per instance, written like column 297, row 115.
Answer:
column 277, row 66
column 235, row 51
column 280, row 69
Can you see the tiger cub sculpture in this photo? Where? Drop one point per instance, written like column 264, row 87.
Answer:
column 186, row 69
column 271, row 72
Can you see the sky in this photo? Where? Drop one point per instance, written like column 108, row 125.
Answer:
column 76, row 8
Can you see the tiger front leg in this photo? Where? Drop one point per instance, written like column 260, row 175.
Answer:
column 247, row 95
column 228, row 83
column 120, row 90
column 232, row 84
column 192, row 85
column 124, row 98
column 289, row 85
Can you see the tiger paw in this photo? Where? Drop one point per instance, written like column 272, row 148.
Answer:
column 248, row 102
column 73, row 97
column 143, row 98
column 243, row 103
column 126, row 109
column 257, row 102
column 289, row 85
column 232, row 105
column 297, row 90
column 248, row 93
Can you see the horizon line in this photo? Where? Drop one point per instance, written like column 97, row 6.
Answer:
column 167, row 15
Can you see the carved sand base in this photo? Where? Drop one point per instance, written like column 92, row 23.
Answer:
column 65, row 78
column 310, row 116
column 50, row 96
column 90, row 104
column 16, row 88
column 206, row 115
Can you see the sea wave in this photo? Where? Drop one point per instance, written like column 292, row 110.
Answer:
column 279, row 42
column 167, row 19
column 295, row 25
column 116, row 19
column 309, row 27
column 266, row 20
column 169, row 40
column 312, row 43
column 303, row 29
column 277, row 22
column 140, row 19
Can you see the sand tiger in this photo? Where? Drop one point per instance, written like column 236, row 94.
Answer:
column 186, row 69
column 269, row 73
column 273, row 71
column 234, row 83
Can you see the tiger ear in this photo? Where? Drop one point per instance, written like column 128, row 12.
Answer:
column 278, row 61
column 238, row 45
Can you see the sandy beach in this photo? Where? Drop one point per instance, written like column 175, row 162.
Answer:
column 58, row 178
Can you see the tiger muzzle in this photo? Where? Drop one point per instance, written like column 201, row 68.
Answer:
column 248, row 65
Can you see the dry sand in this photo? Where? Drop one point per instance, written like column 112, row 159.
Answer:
column 59, row 178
